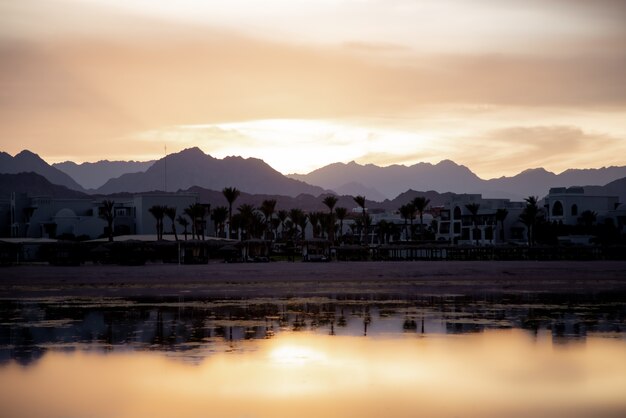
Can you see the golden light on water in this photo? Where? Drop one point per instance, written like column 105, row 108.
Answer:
column 497, row 373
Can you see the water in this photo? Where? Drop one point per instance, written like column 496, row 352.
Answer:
column 445, row 356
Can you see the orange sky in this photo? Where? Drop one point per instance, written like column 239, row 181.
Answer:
column 497, row 86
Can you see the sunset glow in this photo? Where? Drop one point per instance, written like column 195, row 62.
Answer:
column 496, row 86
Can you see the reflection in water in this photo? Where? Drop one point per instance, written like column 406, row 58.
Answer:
column 530, row 355
column 496, row 373
column 29, row 328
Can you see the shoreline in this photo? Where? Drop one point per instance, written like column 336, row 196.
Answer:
column 286, row 279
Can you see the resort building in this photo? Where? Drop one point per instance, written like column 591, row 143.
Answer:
column 46, row 217
column 566, row 204
column 458, row 225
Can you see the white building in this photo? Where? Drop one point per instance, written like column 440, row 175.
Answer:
column 457, row 225
column 565, row 205
column 47, row 217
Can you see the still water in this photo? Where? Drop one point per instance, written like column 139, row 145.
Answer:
column 519, row 356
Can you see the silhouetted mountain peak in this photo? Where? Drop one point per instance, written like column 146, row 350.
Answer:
column 539, row 170
column 192, row 167
column 27, row 156
column 28, row 161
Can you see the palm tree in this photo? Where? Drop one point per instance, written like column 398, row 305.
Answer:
column 314, row 220
column 107, row 213
column 384, row 228
column 267, row 208
column 296, row 215
column 367, row 223
column 158, row 211
column 170, row 212
column 231, row 194
column 529, row 217
column 197, row 213
column 501, row 215
column 420, row 203
column 360, row 200
column 407, row 212
column 189, row 212
column 341, row 214
column 219, row 216
column 302, row 224
column 247, row 214
column 473, row 209
column 282, row 217
column 587, row 218
column 330, row 201
column 182, row 221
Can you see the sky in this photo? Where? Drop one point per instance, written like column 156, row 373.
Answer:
column 497, row 85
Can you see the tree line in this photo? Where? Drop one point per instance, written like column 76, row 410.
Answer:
column 268, row 222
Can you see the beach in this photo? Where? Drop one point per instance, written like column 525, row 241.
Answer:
column 284, row 279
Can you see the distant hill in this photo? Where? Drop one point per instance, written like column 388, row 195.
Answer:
column 35, row 185
column 614, row 188
column 192, row 167
column 27, row 161
column 448, row 176
column 358, row 189
column 395, row 179
column 94, row 175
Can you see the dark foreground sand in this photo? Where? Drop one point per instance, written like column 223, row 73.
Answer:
column 283, row 279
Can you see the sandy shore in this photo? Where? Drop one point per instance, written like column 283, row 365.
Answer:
column 283, row 279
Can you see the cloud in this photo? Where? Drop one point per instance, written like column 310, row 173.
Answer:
column 555, row 148
column 91, row 93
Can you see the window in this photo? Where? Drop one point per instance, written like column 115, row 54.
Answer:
column 574, row 210
column 557, row 209
column 457, row 213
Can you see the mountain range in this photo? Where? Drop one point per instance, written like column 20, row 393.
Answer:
column 27, row 161
column 447, row 176
column 94, row 175
column 193, row 168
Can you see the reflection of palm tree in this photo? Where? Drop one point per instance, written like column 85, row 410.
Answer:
column 341, row 214
column 182, row 221
column 529, row 217
column 473, row 209
column 360, row 200
column 420, row 203
column 501, row 215
column 170, row 212
column 330, row 202
column 107, row 213
column 231, row 194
